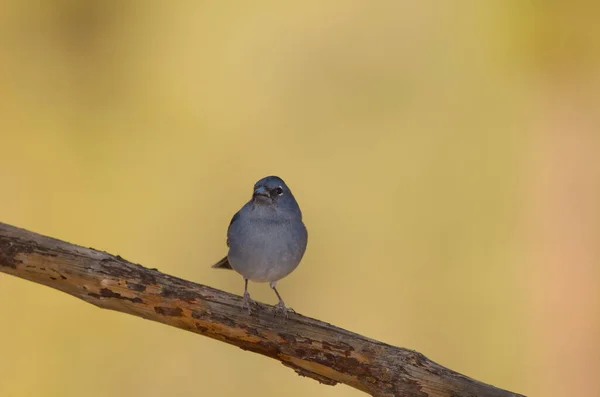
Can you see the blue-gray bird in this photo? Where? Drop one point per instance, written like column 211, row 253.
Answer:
column 266, row 238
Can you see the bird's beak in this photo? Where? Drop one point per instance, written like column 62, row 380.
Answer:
column 261, row 191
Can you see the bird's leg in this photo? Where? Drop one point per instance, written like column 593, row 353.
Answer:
column 247, row 302
column 280, row 307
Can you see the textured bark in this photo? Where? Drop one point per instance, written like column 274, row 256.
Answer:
column 312, row 348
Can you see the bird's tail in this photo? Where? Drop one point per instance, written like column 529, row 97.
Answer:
column 222, row 264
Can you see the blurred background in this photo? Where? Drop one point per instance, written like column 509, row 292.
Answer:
column 445, row 155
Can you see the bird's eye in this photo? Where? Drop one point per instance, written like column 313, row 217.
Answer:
column 279, row 191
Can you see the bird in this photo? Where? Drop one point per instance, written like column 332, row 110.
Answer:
column 266, row 238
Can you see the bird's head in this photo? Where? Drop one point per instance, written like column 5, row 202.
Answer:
column 272, row 191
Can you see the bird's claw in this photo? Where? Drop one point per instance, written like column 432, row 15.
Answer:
column 248, row 302
column 281, row 307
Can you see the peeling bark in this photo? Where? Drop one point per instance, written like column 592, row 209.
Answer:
column 311, row 347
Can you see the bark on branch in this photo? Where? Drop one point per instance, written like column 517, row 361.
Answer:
column 312, row 348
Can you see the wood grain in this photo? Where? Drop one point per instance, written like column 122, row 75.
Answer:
column 311, row 347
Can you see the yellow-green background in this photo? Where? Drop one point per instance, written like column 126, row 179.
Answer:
column 444, row 154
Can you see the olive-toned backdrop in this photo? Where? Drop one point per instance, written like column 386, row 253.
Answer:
column 445, row 156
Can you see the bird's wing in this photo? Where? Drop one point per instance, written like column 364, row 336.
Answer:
column 224, row 263
column 235, row 218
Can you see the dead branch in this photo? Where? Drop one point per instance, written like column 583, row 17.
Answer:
column 311, row 347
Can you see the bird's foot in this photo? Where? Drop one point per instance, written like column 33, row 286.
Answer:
column 248, row 302
column 281, row 307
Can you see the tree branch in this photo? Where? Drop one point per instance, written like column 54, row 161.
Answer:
column 312, row 348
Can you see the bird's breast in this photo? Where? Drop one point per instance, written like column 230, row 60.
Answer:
column 266, row 250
